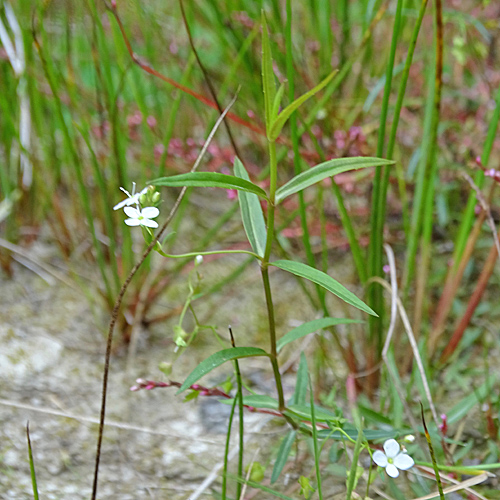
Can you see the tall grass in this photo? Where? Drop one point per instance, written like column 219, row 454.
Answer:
column 123, row 94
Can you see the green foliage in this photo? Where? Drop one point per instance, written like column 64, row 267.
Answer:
column 98, row 121
column 251, row 213
column 306, row 489
column 283, row 453
column 217, row 359
column 32, row 464
column 324, row 170
column 325, row 281
column 209, row 179
column 310, row 327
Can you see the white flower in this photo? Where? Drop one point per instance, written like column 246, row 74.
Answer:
column 393, row 458
column 198, row 260
column 409, row 438
column 141, row 217
column 133, row 199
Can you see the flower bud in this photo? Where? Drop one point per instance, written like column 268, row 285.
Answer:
column 165, row 367
column 179, row 336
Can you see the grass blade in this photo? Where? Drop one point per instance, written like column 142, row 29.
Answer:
column 268, row 81
column 32, row 463
column 354, row 466
column 315, row 441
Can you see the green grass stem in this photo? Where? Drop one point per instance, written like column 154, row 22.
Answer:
column 32, row 464
column 377, row 215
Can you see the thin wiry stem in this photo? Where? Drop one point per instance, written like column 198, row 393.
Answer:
column 116, row 308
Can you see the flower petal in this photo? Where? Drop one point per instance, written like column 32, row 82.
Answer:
column 150, row 212
column 392, row 470
column 391, row 448
column 148, row 223
column 380, row 459
column 404, row 461
column 132, row 212
column 121, row 204
column 132, row 222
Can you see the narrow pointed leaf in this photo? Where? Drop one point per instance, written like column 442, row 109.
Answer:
column 268, row 81
column 310, row 327
column 304, row 412
column 370, row 435
column 279, row 123
column 299, row 395
column 209, row 179
column 284, row 451
column 217, row 359
column 327, row 169
column 32, row 464
column 277, row 102
column 322, row 279
column 251, row 213
column 257, row 401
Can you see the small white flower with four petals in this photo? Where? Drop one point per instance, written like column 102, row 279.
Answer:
column 393, row 458
column 132, row 199
column 141, row 217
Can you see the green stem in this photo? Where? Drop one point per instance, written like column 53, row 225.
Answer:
column 273, row 169
column 272, row 336
column 212, row 252
column 242, row 427
column 375, row 297
column 226, row 450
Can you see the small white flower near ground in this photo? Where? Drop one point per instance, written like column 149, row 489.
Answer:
column 132, row 199
column 141, row 217
column 393, row 458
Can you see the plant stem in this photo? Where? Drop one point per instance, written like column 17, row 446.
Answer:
column 265, row 273
column 272, row 336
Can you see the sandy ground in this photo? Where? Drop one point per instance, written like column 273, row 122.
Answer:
column 51, row 361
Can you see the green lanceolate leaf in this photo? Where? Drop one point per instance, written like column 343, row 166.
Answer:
column 322, row 279
column 268, row 81
column 282, row 118
column 251, row 213
column 257, row 401
column 299, row 395
column 310, row 327
column 327, row 169
column 370, row 435
column 284, row 451
column 304, row 412
column 209, row 179
column 217, row 359
column 277, row 101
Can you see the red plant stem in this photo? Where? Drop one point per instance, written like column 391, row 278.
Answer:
column 485, row 276
column 142, row 64
column 207, row 391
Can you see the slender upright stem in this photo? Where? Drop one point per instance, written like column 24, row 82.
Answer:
column 272, row 336
column 265, row 273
